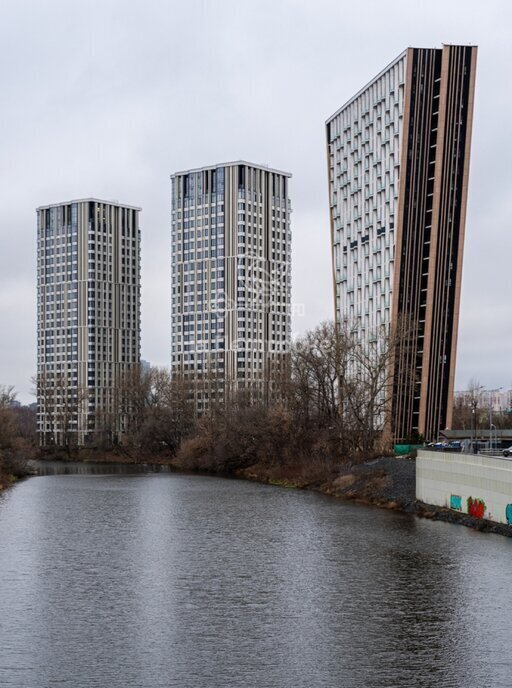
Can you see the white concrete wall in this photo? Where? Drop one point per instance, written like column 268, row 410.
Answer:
column 440, row 475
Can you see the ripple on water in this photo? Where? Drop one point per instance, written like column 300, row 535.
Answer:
column 169, row 580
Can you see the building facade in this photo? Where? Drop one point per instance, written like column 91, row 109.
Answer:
column 88, row 316
column 499, row 400
column 398, row 164
column 231, row 282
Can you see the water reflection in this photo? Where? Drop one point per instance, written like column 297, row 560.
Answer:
column 170, row 580
column 95, row 468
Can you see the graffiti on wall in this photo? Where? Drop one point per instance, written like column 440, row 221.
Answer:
column 456, row 502
column 476, row 507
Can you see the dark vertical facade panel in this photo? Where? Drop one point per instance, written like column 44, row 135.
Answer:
column 431, row 238
column 416, row 185
column 446, row 287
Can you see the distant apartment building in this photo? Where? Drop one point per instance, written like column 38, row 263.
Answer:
column 398, row 162
column 231, row 286
column 498, row 400
column 88, row 315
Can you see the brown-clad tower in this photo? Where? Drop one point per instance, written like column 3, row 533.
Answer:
column 398, row 156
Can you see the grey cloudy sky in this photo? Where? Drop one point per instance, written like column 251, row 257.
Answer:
column 108, row 98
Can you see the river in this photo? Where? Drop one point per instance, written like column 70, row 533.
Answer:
column 123, row 580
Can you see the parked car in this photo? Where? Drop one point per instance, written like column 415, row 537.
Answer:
column 507, row 452
column 455, row 445
column 437, row 445
column 452, row 446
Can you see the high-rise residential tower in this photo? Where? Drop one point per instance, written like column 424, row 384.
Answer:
column 88, row 308
column 230, row 279
column 398, row 164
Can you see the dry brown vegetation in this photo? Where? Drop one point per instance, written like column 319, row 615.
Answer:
column 328, row 404
column 331, row 409
column 17, row 437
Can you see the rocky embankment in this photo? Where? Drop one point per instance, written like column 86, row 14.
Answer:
column 388, row 482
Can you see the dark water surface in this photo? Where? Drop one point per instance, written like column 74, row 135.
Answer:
column 121, row 581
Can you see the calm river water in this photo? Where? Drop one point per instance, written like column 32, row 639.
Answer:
column 124, row 581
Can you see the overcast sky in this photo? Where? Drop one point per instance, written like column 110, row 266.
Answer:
column 108, row 98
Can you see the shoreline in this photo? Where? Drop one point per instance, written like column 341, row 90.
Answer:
column 351, row 487
column 385, row 482
column 6, row 481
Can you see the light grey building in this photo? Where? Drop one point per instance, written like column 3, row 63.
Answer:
column 231, row 282
column 88, row 315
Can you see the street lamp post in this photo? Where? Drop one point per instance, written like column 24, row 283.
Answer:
column 491, row 424
column 474, row 405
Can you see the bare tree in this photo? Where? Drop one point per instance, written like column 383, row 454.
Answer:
column 150, row 411
column 62, row 408
column 45, row 392
column 16, row 435
column 7, row 396
column 467, row 408
column 341, row 386
column 170, row 414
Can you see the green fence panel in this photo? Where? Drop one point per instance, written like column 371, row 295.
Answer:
column 403, row 449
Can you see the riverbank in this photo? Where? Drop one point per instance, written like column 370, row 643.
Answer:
column 6, row 480
column 10, row 474
column 387, row 482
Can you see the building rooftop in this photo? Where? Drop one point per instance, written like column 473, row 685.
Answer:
column 383, row 71
column 88, row 200
column 366, row 86
column 232, row 164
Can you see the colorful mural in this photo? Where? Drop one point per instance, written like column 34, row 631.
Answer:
column 476, row 507
column 456, row 502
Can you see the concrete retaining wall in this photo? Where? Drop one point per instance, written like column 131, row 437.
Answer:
column 446, row 479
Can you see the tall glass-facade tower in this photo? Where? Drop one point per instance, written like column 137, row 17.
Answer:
column 88, row 316
column 398, row 163
column 231, row 279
